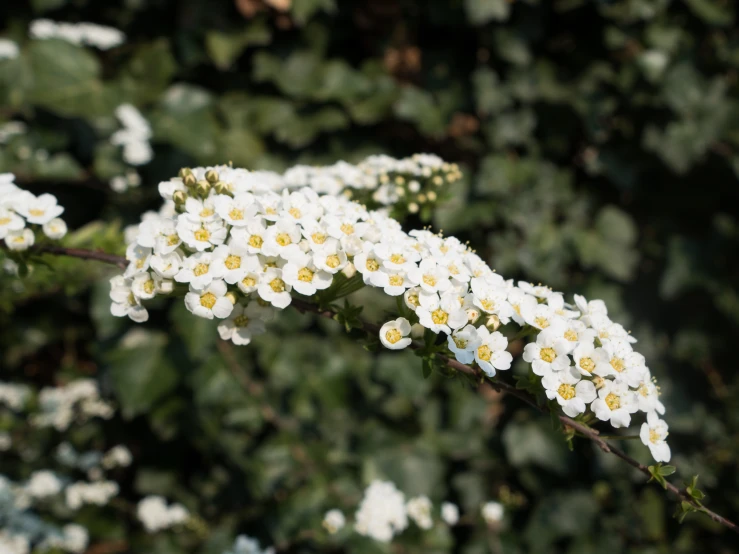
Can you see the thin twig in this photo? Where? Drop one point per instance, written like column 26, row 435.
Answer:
column 567, row 422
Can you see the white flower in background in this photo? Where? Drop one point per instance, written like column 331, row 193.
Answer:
column 491, row 353
column 440, row 314
column 492, row 513
column 653, row 434
column 419, row 510
column 20, row 240
column 449, row 513
column 548, row 353
column 155, row 515
column 55, row 229
column 6, row 442
column 394, row 334
column 43, row 484
column 75, row 539
column 210, row 301
column 244, row 323
column 14, row 396
column 247, row 545
column 8, row 49
column 334, row 521
column 464, row 342
column 381, row 513
column 615, row 403
column 118, row 456
column 571, row 391
column 81, row 493
column 89, row 34
column 14, row 544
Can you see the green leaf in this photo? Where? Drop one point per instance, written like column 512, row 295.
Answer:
column 480, row 12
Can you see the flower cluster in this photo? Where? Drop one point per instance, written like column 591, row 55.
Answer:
column 155, row 515
column 243, row 249
column 247, row 545
column 8, row 49
column 19, row 208
column 384, row 513
column 89, row 34
column 79, row 400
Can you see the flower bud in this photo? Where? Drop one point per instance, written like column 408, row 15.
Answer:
column 599, row 382
column 189, row 180
column 222, row 188
column 349, row 270
column 212, row 176
column 413, row 208
column 179, row 197
column 203, row 188
column 232, row 297
column 184, row 172
column 493, row 322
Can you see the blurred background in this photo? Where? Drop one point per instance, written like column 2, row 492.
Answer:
column 600, row 146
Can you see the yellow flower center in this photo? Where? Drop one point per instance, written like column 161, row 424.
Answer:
column 517, row 308
column 241, row 321
column 439, row 316
column 460, row 342
column 206, row 212
column 453, row 269
column 570, row 335
column 131, row 299
column 618, row 364
column 643, row 390
column 173, row 239
column 36, row 212
column 372, row 265
column 4, row 220
column 149, row 286
column 295, row 213
column 548, row 354
column 430, row 280
column 208, row 300
column 283, row 239
column 305, row 275
column 443, row 248
column 319, row 238
column 255, row 241
column 200, row 269
column 248, row 281
column 233, row 262
column 541, row 322
column 397, row 259
column 587, row 364
column 613, row 401
column 393, row 336
column 139, row 262
column 347, row 229
column 236, row 214
column 566, row 391
column 396, row 280
column 277, row 285
column 603, row 334
column 488, row 305
column 413, row 300
column 484, row 353
column 653, row 436
column 333, row 261
column 202, row 234
column 270, row 211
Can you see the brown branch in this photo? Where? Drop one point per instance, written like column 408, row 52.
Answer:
column 567, row 422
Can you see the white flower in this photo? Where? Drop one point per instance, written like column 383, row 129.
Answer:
column 430, row 276
column 623, row 363
column 394, row 334
column 210, row 301
column 139, row 258
column 588, row 309
column 616, row 403
column 167, row 265
column 464, row 342
column 492, row 513
column 118, row 456
column 41, row 209
column 201, row 236
column 333, row 521
column 154, row 513
column 548, row 353
column 491, row 299
column 647, row 396
column 273, row 289
column 419, row 510
column 76, row 538
column 300, row 273
column 491, row 353
column 330, row 257
column 521, row 303
column 440, row 314
column 20, row 240
column 540, row 291
column 369, row 264
column 202, row 268
column 542, row 316
column 281, row 239
column 570, row 390
column 653, row 434
column 10, row 222
column 236, row 211
column 381, row 513
column 8, row 49
column 99, row 493
column 449, row 513
column 607, row 330
column 43, row 484
column 244, row 323
column 55, row 229
column 252, row 235
column 143, row 286
column 125, row 302
column 590, row 360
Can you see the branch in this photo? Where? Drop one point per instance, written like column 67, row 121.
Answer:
column 500, row 386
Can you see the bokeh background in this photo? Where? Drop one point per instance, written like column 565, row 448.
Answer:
column 600, row 146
